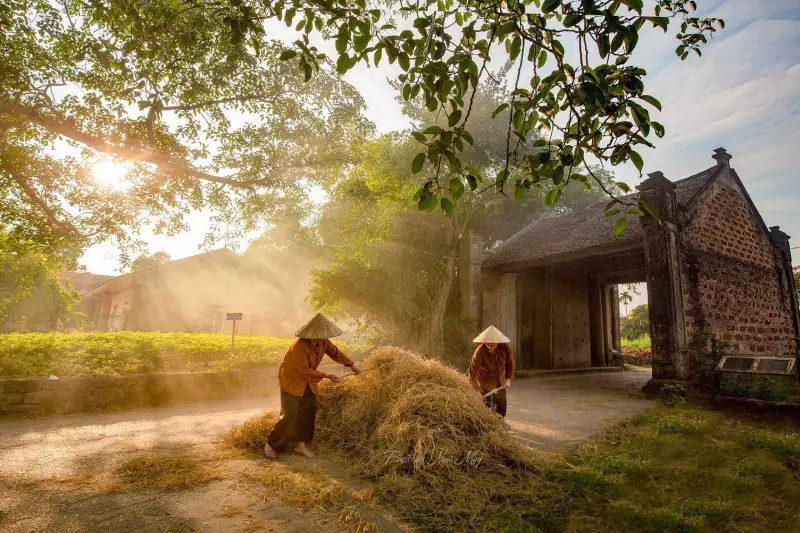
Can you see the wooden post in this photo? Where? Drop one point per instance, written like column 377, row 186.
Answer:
column 233, row 335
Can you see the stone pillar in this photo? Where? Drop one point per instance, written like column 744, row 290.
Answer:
column 781, row 242
column 469, row 272
column 616, row 342
column 664, row 293
column 596, row 331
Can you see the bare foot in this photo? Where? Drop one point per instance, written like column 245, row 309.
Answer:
column 303, row 450
column 269, row 452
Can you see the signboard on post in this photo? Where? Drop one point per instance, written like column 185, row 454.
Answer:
column 234, row 317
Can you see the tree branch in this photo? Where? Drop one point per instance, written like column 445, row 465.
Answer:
column 30, row 192
column 209, row 103
column 66, row 129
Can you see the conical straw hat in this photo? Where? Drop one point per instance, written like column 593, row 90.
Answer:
column 492, row 334
column 319, row 327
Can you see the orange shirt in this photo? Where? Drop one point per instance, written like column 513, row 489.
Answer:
column 299, row 365
column 489, row 370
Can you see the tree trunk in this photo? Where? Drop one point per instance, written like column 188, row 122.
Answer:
column 439, row 309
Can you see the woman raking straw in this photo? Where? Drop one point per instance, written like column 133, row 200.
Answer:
column 298, row 378
column 492, row 367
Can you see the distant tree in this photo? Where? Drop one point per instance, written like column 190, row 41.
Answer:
column 796, row 271
column 393, row 268
column 32, row 296
column 625, row 298
column 636, row 324
column 147, row 261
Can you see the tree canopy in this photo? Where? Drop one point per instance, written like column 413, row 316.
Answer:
column 194, row 95
column 147, row 261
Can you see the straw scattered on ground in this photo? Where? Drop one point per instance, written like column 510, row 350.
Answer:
column 164, row 472
column 434, row 452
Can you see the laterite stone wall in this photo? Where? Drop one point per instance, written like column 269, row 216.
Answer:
column 732, row 282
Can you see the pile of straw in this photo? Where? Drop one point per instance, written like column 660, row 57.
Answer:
column 435, row 452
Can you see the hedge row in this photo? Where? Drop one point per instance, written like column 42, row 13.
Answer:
column 91, row 354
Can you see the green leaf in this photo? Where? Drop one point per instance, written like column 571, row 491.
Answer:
column 637, row 161
column 519, row 193
column 454, row 117
column 620, row 225
column 652, row 101
column 418, row 163
column 360, row 42
column 519, row 119
column 472, row 181
column 403, row 60
column 467, row 137
column 611, row 212
column 542, row 58
column 634, row 211
column 651, row 209
column 516, row 46
column 456, row 188
column 378, row 55
column 553, row 196
column 342, row 64
column 447, row 207
column 288, row 54
column 418, row 136
column 499, row 109
column 551, row 5
column 623, row 186
column 432, row 130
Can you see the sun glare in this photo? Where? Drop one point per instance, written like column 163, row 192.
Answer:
column 107, row 172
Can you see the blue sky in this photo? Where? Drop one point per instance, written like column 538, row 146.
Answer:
column 743, row 94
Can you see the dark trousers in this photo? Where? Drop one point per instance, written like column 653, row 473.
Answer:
column 296, row 423
column 497, row 402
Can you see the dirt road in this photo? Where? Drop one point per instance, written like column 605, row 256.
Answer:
column 549, row 413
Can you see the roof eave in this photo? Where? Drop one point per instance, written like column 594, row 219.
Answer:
column 618, row 246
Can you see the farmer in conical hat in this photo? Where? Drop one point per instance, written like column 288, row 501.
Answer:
column 492, row 366
column 298, row 378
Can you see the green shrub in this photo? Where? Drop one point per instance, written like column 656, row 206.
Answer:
column 125, row 352
column 761, row 387
column 642, row 342
column 636, row 324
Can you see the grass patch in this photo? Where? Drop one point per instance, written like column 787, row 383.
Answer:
column 641, row 343
column 164, row 472
column 25, row 355
column 682, row 468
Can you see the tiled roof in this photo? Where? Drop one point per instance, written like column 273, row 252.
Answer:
column 580, row 229
column 85, row 281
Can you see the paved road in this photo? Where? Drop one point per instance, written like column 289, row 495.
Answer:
column 550, row 413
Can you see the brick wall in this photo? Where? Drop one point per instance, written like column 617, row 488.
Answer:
column 731, row 279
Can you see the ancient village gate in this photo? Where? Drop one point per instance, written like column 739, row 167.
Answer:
column 712, row 268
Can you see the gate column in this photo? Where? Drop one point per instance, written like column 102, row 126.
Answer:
column 664, row 293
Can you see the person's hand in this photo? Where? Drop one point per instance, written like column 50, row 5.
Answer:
column 334, row 378
column 508, row 383
column 355, row 369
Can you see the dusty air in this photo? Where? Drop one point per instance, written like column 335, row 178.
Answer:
column 448, row 266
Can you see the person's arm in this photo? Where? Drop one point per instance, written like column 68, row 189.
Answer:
column 336, row 354
column 299, row 357
column 509, row 367
column 473, row 369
